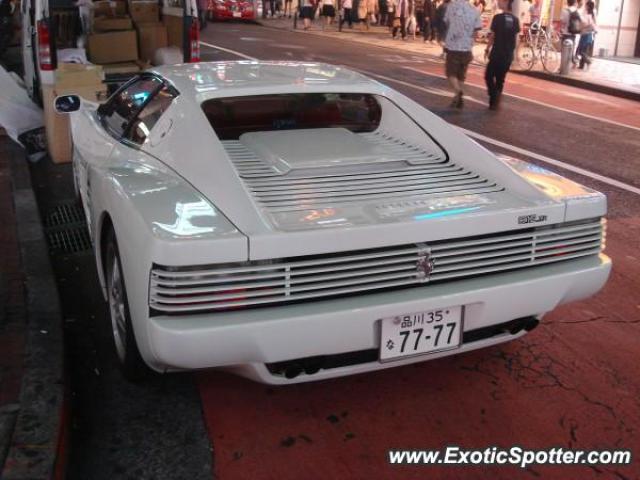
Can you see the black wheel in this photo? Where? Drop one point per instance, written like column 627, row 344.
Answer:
column 130, row 360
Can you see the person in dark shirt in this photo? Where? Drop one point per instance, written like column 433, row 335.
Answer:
column 429, row 19
column 502, row 43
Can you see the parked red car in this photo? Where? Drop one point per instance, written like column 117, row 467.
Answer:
column 229, row 9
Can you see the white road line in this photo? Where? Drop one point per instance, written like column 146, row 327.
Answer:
column 241, row 55
column 433, row 91
column 543, row 104
column 581, row 171
column 551, row 161
column 491, row 141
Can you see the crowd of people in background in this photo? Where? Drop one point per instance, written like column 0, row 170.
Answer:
column 454, row 24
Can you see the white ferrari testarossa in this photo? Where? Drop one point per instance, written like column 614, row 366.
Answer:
column 300, row 221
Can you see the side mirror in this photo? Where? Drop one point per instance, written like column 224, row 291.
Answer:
column 67, row 103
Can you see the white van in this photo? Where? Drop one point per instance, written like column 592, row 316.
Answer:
column 49, row 25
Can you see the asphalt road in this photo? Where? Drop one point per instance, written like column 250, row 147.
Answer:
column 573, row 382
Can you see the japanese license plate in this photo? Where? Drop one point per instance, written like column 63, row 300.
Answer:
column 237, row 14
column 420, row 333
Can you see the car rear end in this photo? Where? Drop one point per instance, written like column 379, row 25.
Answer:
column 377, row 236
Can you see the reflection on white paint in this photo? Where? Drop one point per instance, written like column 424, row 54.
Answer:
column 186, row 214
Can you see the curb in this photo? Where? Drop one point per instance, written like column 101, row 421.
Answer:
column 574, row 82
column 40, row 426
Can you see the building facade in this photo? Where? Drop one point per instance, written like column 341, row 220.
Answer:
column 618, row 24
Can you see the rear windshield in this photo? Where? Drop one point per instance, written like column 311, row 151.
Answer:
column 233, row 116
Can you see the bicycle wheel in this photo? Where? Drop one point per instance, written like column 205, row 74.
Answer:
column 525, row 56
column 550, row 58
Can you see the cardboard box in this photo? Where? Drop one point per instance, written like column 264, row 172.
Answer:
column 144, row 11
column 56, row 124
column 70, row 75
column 109, row 9
column 151, row 36
column 125, row 67
column 175, row 29
column 109, row 24
column 113, row 47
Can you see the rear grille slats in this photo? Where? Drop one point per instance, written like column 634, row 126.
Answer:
column 374, row 182
column 210, row 288
column 540, row 234
column 411, row 172
column 435, row 277
column 305, row 202
column 375, row 172
column 381, row 187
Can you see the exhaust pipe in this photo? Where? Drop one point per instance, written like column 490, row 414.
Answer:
column 516, row 326
column 292, row 371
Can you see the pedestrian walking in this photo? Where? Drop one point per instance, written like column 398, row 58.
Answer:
column 363, row 13
column 372, row 12
column 391, row 13
column 288, row 7
column 383, row 10
column 347, row 14
column 203, row 13
column 462, row 21
column 328, row 11
column 586, row 35
column 429, row 11
column 570, row 25
column 400, row 18
column 307, row 12
column 501, row 45
column 441, row 27
column 418, row 11
column 412, row 24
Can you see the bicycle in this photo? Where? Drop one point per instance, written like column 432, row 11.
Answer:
column 536, row 44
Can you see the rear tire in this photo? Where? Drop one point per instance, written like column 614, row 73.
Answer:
column 126, row 347
column 550, row 59
column 525, row 56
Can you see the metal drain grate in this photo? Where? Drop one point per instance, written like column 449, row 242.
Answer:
column 66, row 230
column 65, row 214
column 69, row 240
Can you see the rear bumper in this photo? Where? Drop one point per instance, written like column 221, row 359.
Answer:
column 244, row 341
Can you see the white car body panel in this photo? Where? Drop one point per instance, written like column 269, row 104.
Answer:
column 179, row 201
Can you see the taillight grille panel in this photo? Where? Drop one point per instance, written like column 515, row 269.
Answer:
column 187, row 290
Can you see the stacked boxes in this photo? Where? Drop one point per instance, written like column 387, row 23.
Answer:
column 70, row 79
column 115, row 43
column 152, row 34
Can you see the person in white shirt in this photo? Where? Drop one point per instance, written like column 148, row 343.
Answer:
column 587, row 34
column 328, row 11
column 347, row 14
column 462, row 21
